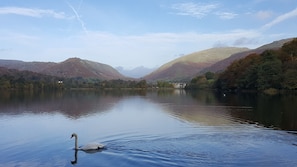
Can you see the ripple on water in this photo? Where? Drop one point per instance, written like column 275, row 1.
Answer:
column 243, row 145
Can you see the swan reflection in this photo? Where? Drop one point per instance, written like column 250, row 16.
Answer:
column 73, row 162
column 75, row 158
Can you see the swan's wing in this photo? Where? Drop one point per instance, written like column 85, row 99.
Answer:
column 92, row 146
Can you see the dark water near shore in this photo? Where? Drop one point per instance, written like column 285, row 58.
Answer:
column 155, row 128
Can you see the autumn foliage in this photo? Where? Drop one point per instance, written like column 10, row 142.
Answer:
column 271, row 69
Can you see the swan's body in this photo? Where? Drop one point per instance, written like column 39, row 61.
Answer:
column 89, row 146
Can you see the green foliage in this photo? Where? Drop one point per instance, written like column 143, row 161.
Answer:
column 269, row 75
column 289, row 80
column 275, row 69
column 209, row 75
column 25, row 80
column 202, row 82
column 141, row 84
column 119, row 84
column 291, row 48
column 164, row 84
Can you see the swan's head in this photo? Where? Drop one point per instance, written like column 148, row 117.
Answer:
column 73, row 135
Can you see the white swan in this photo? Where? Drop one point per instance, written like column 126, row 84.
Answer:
column 89, row 146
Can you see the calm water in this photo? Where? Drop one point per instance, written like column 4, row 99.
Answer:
column 165, row 128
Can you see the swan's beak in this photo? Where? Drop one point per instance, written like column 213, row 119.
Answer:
column 71, row 136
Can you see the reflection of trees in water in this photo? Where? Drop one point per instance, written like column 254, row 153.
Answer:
column 277, row 111
column 73, row 104
column 214, row 108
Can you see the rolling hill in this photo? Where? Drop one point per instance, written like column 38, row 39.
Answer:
column 187, row 66
column 75, row 67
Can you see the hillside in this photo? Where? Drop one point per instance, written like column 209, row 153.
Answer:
column 70, row 68
column 223, row 64
column 187, row 66
column 75, row 67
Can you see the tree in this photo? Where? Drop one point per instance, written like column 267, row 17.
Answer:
column 164, row 84
column 290, row 48
column 209, row 75
column 269, row 75
column 248, row 77
column 141, row 84
column 290, row 79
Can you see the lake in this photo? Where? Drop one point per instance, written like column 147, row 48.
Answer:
column 148, row 128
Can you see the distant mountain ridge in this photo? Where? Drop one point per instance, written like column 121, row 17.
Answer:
column 70, row 68
column 137, row 72
column 187, row 66
column 26, row 66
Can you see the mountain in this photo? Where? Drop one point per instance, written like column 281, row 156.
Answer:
column 187, row 66
column 73, row 67
column 137, row 72
column 223, row 64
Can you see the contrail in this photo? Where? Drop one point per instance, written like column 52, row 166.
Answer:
column 281, row 18
column 78, row 17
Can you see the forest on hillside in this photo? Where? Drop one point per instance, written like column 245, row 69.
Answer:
column 12, row 79
column 275, row 69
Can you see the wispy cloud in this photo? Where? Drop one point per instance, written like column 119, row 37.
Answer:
column 226, row 15
column 82, row 23
column 280, row 19
column 38, row 13
column 197, row 10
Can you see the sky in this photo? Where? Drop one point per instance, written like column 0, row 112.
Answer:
column 133, row 33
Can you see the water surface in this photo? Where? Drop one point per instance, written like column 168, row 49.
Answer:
column 161, row 128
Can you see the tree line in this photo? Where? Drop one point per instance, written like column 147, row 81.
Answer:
column 26, row 80
column 11, row 79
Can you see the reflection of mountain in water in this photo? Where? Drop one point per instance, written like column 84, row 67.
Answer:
column 215, row 109
column 73, row 104
column 202, row 108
